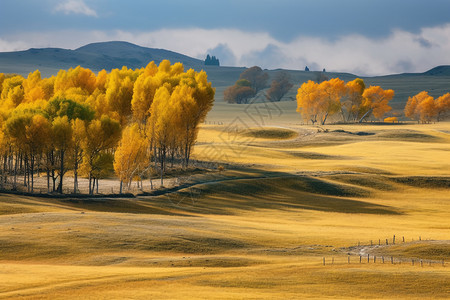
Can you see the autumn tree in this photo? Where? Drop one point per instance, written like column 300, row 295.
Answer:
column 316, row 102
column 257, row 78
column 423, row 107
column 131, row 156
column 353, row 99
column 279, row 87
column 240, row 92
column 376, row 102
column 442, row 106
column 102, row 135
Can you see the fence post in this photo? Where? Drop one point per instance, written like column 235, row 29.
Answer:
column 332, row 260
column 393, row 240
column 348, row 259
column 420, row 238
column 421, row 263
column 379, row 242
column 412, row 262
column 368, row 258
column 371, row 243
column 382, row 259
column 324, row 261
column 392, row 260
column 360, row 257
column 374, row 259
column 443, row 263
column 403, row 239
column 387, row 243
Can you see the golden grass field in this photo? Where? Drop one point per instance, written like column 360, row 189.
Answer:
column 288, row 197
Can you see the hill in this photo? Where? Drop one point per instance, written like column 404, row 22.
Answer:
column 96, row 56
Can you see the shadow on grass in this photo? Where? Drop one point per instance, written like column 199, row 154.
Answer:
column 293, row 192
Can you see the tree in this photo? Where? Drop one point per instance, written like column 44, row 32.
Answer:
column 131, row 156
column 376, row 102
column 279, row 87
column 239, row 93
column 257, row 78
column 354, row 98
column 442, row 106
column 78, row 137
column 62, row 141
column 101, row 135
column 317, row 102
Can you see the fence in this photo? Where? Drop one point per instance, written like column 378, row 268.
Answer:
column 363, row 257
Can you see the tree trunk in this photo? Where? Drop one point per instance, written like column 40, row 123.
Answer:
column 61, row 172
column 365, row 115
column 120, row 190
column 32, row 173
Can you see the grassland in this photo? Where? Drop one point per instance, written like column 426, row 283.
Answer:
column 289, row 196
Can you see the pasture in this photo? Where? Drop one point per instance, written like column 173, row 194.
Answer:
column 289, row 195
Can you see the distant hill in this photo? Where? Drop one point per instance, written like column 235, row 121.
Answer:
column 438, row 71
column 96, row 56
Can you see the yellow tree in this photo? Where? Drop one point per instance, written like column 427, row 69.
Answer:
column 306, row 96
column 144, row 91
column 160, row 126
column 330, row 94
column 420, row 107
column 354, row 98
column 131, row 156
column 442, row 105
column 376, row 102
column 62, row 141
column 319, row 101
column 102, row 135
column 38, row 134
column 119, row 92
column 12, row 92
column 78, row 136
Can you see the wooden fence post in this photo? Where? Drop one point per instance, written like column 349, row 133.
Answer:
column 360, row 257
column 324, row 261
column 348, row 259
column 374, row 259
column 403, row 239
column 382, row 259
column 368, row 258
column 412, row 262
column 371, row 243
column 387, row 243
column 393, row 240
column 392, row 260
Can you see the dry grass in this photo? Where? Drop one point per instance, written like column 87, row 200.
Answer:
column 256, row 230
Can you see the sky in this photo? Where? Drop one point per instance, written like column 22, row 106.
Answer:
column 364, row 37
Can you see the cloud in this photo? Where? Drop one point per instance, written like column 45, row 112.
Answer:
column 75, row 7
column 401, row 51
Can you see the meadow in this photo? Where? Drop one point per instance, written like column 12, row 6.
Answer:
column 286, row 197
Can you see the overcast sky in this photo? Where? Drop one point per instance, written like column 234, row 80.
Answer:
column 366, row 37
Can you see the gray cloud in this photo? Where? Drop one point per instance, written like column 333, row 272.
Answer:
column 401, row 51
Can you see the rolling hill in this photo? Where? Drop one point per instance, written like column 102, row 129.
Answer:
column 109, row 55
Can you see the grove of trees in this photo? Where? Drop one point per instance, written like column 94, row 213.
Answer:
column 130, row 122
column 254, row 80
column 424, row 108
column 316, row 102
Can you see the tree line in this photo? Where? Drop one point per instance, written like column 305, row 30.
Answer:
column 131, row 122
column 316, row 102
column 424, row 108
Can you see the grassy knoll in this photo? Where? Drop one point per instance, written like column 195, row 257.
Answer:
column 258, row 229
